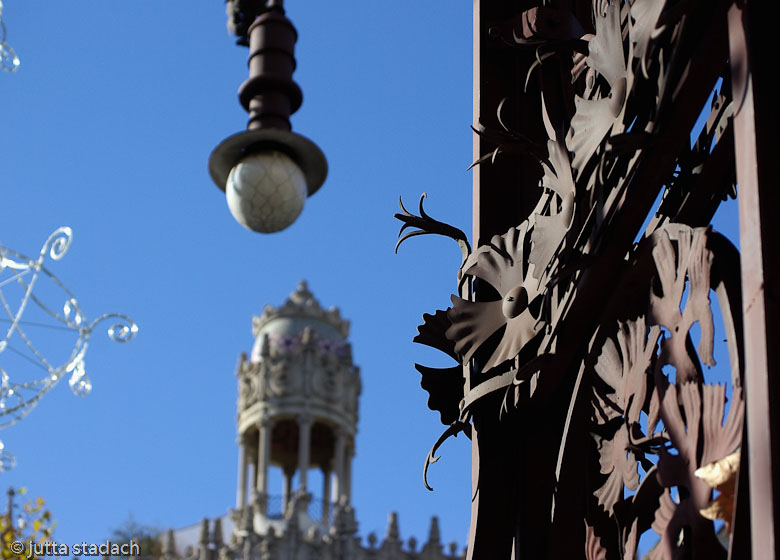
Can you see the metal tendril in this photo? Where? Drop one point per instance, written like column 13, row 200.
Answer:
column 8, row 59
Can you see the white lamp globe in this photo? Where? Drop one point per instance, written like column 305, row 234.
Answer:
column 266, row 191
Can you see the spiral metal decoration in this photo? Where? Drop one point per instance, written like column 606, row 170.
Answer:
column 8, row 59
column 21, row 273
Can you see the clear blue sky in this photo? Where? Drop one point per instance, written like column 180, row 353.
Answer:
column 107, row 127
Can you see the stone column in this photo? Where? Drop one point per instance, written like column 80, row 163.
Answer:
column 242, row 465
column 203, row 541
column 264, row 431
column 304, row 449
column 338, row 464
column 252, row 460
column 288, row 475
column 348, row 454
column 326, row 474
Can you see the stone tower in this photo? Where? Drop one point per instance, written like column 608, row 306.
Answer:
column 297, row 410
column 297, row 413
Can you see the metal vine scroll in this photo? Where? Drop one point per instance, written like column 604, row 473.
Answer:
column 20, row 276
column 583, row 338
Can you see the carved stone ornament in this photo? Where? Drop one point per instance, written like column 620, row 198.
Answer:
column 307, row 370
column 301, row 359
column 301, row 303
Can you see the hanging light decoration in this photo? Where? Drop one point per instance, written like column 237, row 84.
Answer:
column 8, row 59
column 20, row 276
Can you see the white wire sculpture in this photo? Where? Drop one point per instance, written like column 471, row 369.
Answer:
column 19, row 272
column 8, row 59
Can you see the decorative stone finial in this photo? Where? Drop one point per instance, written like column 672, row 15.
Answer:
column 412, row 544
column 434, row 536
column 392, row 527
column 247, row 520
column 169, row 544
column 203, row 549
column 344, row 523
column 312, row 534
column 265, row 549
column 246, row 547
column 302, row 295
column 217, row 534
column 301, row 304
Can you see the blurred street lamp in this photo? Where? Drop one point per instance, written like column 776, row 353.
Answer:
column 267, row 171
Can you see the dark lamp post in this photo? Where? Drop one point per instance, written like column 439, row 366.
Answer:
column 267, row 171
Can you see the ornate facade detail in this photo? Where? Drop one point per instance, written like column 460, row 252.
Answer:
column 297, row 368
column 338, row 543
column 300, row 354
column 297, row 411
column 302, row 304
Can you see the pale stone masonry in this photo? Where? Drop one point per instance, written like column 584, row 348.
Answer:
column 297, row 410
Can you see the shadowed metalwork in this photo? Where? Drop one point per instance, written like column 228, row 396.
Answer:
column 583, row 321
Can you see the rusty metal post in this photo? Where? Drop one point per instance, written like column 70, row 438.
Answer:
column 504, row 190
column 758, row 176
column 504, row 193
column 496, row 207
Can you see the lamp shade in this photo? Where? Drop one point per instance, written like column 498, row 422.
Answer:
column 266, row 191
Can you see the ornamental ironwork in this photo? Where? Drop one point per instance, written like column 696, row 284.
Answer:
column 583, row 324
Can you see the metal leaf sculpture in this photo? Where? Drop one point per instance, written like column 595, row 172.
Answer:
column 692, row 261
column 699, row 404
column 606, row 305
column 631, row 384
column 444, row 385
column 551, row 227
column 643, row 26
column 601, row 114
column 503, row 264
column 721, row 475
column 426, row 225
column 594, row 550
column 624, row 374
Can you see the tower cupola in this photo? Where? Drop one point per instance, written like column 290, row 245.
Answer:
column 297, row 411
